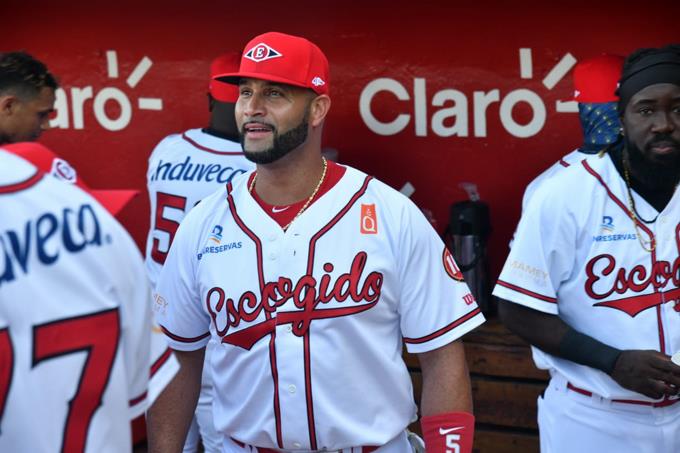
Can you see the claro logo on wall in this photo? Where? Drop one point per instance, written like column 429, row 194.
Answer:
column 70, row 106
column 454, row 120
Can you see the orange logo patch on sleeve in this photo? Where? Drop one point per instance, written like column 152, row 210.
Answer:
column 369, row 219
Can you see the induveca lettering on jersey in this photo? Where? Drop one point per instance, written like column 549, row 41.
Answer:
column 605, row 278
column 307, row 294
column 189, row 170
column 45, row 238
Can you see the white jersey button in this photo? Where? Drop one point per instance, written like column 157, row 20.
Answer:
column 272, row 237
column 297, row 444
column 292, row 389
column 289, row 328
column 273, row 256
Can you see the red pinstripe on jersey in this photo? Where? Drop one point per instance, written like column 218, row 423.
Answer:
column 158, row 364
column 552, row 300
column 183, row 339
column 210, row 150
column 444, row 329
column 268, row 316
column 310, row 269
column 589, row 169
column 22, row 185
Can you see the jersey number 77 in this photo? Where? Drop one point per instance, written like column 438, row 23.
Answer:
column 97, row 334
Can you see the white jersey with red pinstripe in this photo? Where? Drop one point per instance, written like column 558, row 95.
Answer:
column 578, row 254
column 309, row 323
column 567, row 160
column 183, row 169
column 75, row 319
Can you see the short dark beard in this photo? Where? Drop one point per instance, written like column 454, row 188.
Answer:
column 282, row 145
column 652, row 175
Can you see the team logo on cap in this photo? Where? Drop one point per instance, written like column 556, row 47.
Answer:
column 318, row 81
column 63, row 170
column 261, row 52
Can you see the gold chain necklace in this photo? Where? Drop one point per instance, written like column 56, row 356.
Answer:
column 309, row 200
column 648, row 246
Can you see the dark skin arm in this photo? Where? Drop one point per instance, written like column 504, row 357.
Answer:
column 169, row 417
column 650, row 373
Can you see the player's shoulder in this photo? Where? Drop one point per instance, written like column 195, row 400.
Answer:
column 374, row 186
column 171, row 140
column 217, row 202
column 14, row 169
column 572, row 188
column 390, row 200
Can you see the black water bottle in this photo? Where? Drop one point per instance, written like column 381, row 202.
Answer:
column 466, row 236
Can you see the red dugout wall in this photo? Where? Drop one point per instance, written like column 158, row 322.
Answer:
column 431, row 93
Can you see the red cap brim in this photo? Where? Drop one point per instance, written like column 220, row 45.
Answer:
column 114, row 200
column 234, row 78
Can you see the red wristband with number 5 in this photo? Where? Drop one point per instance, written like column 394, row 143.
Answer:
column 448, row 433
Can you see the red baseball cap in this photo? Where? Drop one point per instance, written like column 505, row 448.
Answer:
column 282, row 58
column 48, row 162
column 224, row 92
column 595, row 79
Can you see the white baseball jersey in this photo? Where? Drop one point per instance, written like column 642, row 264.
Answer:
column 183, row 169
column 75, row 319
column 309, row 323
column 535, row 185
column 577, row 255
column 569, row 159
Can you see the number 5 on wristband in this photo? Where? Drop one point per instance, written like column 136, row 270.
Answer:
column 448, row 433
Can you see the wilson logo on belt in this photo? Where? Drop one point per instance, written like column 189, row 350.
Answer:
column 369, row 220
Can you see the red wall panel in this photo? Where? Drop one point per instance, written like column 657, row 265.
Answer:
column 436, row 56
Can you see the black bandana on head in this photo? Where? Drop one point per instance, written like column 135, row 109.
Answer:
column 650, row 70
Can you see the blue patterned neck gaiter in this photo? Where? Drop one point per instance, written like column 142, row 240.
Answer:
column 600, row 124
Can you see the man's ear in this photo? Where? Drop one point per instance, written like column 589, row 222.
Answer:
column 319, row 109
column 8, row 104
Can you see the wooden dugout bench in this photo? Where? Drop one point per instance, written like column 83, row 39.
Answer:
column 505, row 385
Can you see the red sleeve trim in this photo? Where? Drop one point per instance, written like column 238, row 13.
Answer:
column 210, row 150
column 444, row 329
column 23, row 185
column 552, row 300
column 162, row 360
column 184, row 339
column 137, row 400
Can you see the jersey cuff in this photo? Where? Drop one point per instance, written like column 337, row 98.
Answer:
column 521, row 296
column 138, row 405
column 447, row 334
column 161, row 373
column 181, row 343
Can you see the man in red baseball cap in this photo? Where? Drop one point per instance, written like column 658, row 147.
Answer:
column 309, row 277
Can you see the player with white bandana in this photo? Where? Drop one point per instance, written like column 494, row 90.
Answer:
column 593, row 278
column 183, row 169
column 75, row 319
column 309, row 276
